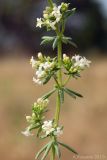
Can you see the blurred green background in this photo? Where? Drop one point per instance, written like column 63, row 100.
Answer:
column 85, row 120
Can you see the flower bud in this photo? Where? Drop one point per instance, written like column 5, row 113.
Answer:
column 39, row 100
column 45, row 15
column 28, row 118
column 64, row 6
column 33, row 115
column 65, row 58
column 40, row 56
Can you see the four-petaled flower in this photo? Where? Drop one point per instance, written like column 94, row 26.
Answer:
column 39, row 22
column 27, row 133
column 48, row 127
column 58, row 131
column 81, row 62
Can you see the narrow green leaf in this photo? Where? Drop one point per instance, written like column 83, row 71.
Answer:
column 75, row 93
column 72, row 43
column 43, row 137
column 55, row 43
column 35, row 126
column 48, row 37
column 47, row 150
column 47, row 40
column 47, row 95
column 66, row 39
column 76, row 75
column 41, row 150
column 68, row 147
column 46, row 79
column 57, row 150
column 69, row 13
column 70, row 93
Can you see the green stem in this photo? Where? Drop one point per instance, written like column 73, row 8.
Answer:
column 67, row 80
column 60, row 60
column 57, row 113
column 58, row 104
column 53, row 154
column 50, row 3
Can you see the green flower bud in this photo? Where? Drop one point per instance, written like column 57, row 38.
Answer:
column 33, row 115
column 64, row 6
column 65, row 58
column 45, row 15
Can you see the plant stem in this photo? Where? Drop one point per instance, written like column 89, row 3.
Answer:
column 53, row 154
column 58, row 81
column 67, row 80
column 60, row 61
column 58, row 104
column 57, row 113
column 50, row 3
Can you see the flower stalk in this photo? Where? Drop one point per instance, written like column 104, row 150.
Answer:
column 58, row 102
column 50, row 3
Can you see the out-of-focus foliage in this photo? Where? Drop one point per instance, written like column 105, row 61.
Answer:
column 18, row 18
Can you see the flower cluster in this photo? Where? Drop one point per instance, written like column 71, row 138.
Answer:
column 45, row 68
column 36, row 120
column 75, row 64
column 48, row 128
column 52, row 16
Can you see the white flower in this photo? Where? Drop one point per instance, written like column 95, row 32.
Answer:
column 28, row 118
column 85, row 62
column 42, row 102
column 33, row 62
column 38, row 81
column 47, row 127
column 58, row 131
column 81, row 62
column 52, row 25
column 45, row 15
column 76, row 58
column 48, row 65
column 58, row 17
column 40, row 56
column 39, row 22
column 41, row 66
column 27, row 133
column 65, row 58
column 56, row 12
column 40, row 73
